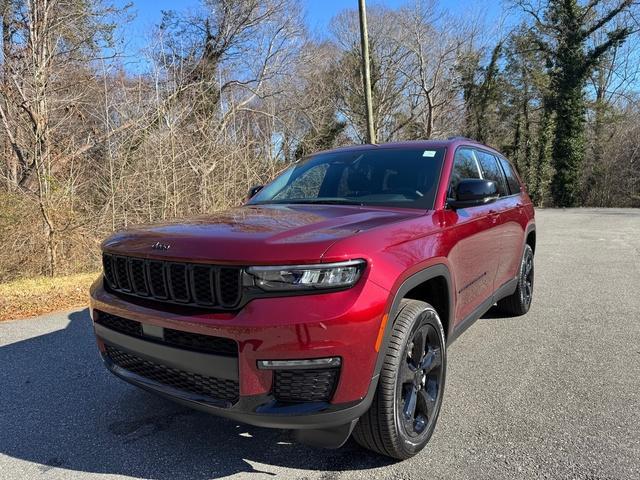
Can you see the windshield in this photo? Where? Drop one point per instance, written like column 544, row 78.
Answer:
column 384, row 177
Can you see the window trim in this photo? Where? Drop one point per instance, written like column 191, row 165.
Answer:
column 504, row 176
column 453, row 162
column 494, row 154
column 515, row 172
column 473, row 153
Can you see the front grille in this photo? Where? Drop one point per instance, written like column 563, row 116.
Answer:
column 216, row 388
column 315, row 385
column 182, row 283
column 174, row 338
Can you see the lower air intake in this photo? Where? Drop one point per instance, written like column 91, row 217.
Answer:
column 316, row 385
column 215, row 388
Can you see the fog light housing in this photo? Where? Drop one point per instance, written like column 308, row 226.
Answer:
column 299, row 364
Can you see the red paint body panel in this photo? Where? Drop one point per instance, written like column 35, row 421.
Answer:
column 481, row 247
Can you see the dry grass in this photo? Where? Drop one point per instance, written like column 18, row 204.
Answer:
column 35, row 296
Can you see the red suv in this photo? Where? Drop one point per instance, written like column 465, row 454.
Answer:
column 326, row 303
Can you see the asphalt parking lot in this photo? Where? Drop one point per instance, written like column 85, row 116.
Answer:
column 554, row 394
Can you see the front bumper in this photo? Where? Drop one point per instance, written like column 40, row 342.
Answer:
column 339, row 324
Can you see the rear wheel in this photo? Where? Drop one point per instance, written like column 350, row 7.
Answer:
column 520, row 302
column 405, row 407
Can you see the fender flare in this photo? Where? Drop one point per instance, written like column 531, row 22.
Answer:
column 530, row 228
column 437, row 270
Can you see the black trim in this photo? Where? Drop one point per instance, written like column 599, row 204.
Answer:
column 504, row 172
column 471, row 319
column 489, row 151
column 480, row 277
column 167, row 391
column 326, row 437
column 439, row 270
column 201, row 363
column 454, row 331
column 176, row 277
column 508, row 288
column 504, row 291
column 530, row 228
column 260, row 410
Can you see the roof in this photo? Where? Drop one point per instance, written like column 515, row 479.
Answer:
column 450, row 142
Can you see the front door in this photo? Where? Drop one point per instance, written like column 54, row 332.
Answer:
column 474, row 259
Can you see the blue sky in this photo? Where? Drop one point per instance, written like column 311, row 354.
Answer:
column 318, row 13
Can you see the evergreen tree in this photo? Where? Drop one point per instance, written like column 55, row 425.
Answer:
column 563, row 35
column 526, row 111
column 482, row 89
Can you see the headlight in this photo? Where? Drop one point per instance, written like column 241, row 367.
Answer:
column 307, row 277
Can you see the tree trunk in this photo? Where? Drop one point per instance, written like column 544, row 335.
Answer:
column 10, row 155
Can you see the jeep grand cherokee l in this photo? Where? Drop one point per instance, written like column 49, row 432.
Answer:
column 326, row 303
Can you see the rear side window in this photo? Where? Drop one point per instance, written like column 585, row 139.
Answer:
column 492, row 171
column 512, row 180
column 464, row 166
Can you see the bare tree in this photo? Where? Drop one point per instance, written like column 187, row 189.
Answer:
column 435, row 44
column 44, row 91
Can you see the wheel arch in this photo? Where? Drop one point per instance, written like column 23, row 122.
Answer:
column 432, row 285
column 530, row 237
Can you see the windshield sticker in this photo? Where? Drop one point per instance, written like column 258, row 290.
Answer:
column 429, row 153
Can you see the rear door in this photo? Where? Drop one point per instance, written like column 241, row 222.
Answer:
column 508, row 233
column 516, row 221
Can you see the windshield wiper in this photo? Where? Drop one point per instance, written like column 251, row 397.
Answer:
column 312, row 201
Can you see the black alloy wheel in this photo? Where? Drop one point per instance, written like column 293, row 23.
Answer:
column 406, row 404
column 527, row 278
column 520, row 301
column 419, row 382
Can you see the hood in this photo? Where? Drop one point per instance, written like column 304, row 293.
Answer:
column 264, row 234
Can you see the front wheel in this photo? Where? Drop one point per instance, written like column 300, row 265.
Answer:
column 405, row 407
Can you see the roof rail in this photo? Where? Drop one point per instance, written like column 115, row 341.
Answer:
column 461, row 137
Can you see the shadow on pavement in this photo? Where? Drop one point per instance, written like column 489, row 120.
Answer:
column 494, row 313
column 60, row 408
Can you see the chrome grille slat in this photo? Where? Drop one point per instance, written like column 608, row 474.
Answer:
column 181, row 283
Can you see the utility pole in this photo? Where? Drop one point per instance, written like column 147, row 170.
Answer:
column 366, row 73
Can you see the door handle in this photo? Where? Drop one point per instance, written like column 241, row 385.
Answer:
column 493, row 215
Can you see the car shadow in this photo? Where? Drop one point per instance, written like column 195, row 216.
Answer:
column 494, row 314
column 59, row 408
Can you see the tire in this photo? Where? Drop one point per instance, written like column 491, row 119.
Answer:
column 384, row 428
column 520, row 301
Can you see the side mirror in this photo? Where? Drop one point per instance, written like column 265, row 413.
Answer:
column 253, row 191
column 473, row 192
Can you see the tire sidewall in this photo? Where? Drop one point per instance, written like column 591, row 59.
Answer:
column 427, row 315
column 528, row 252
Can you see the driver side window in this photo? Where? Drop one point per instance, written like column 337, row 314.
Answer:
column 464, row 166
